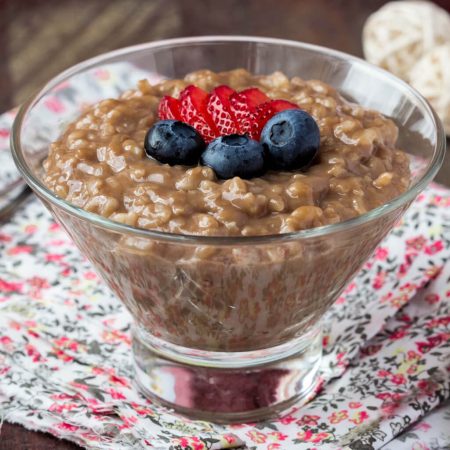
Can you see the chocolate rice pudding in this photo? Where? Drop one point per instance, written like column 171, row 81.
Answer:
column 227, row 297
column 100, row 165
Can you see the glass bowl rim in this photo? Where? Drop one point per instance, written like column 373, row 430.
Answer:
column 103, row 222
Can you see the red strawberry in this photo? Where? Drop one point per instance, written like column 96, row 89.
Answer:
column 169, row 108
column 194, row 111
column 223, row 112
column 243, row 106
column 282, row 105
column 264, row 112
column 219, row 108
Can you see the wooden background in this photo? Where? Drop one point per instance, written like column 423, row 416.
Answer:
column 39, row 38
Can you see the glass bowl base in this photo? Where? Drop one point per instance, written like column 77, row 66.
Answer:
column 210, row 389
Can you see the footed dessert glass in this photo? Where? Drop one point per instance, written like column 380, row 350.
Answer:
column 228, row 328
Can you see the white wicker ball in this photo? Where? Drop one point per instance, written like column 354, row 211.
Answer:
column 401, row 32
column 431, row 77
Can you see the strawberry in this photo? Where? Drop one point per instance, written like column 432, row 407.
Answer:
column 194, row 111
column 219, row 108
column 169, row 108
column 244, row 104
column 282, row 105
column 264, row 112
column 224, row 111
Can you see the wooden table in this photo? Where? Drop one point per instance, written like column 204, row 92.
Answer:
column 39, row 38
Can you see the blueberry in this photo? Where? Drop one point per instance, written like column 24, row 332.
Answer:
column 291, row 139
column 174, row 142
column 234, row 156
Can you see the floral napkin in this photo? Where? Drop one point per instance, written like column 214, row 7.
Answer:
column 65, row 346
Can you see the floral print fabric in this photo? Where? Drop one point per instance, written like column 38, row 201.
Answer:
column 65, row 347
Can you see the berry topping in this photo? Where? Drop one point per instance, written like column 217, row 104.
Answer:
column 194, row 102
column 244, row 104
column 291, row 138
column 219, row 108
column 174, row 142
column 265, row 111
column 234, row 156
column 169, row 108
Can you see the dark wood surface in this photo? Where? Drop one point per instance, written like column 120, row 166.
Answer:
column 39, row 38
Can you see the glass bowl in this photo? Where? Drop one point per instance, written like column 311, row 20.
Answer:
column 227, row 328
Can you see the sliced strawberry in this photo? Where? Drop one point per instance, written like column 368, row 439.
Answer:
column 219, row 108
column 282, row 105
column 169, row 108
column 194, row 102
column 264, row 112
column 244, row 104
column 223, row 112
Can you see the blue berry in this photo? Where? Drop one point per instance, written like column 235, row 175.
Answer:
column 174, row 142
column 291, row 139
column 234, row 156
